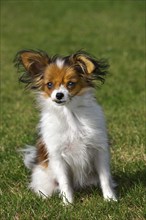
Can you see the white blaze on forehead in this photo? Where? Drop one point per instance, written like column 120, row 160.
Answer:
column 60, row 62
column 62, row 88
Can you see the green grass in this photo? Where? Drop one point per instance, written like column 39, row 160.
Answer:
column 111, row 29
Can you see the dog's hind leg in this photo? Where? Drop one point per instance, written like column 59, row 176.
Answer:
column 37, row 160
column 42, row 181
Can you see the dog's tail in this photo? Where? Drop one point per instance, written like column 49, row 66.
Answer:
column 29, row 156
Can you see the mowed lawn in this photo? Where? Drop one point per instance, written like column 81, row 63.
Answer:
column 110, row 29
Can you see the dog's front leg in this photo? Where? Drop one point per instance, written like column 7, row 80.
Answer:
column 62, row 175
column 102, row 164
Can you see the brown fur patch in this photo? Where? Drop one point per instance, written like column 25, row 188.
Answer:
column 42, row 154
column 37, row 60
column 37, row 68
column 62, row 76
column 89, row 64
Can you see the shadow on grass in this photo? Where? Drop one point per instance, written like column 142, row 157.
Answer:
column 128, row 181
column 86, row 193
column 125, row 183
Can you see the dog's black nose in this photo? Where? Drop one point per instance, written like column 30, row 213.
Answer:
column 59, row 95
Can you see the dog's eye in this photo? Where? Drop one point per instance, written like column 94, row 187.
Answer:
column 70, row 84
column 50, row 85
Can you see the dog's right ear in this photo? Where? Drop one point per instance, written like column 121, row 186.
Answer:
column 32, row 63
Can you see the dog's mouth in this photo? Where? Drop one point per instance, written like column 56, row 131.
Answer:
column 60, row 102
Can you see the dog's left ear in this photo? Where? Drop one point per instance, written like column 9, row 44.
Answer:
column 90, row 66
column 86, row 62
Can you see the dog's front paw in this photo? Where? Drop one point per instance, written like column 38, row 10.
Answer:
column 110, row 196
column 67, row 198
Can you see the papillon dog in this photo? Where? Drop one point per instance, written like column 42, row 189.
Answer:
column 72, row 151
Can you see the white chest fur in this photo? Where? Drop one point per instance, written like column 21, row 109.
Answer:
column 74, row 132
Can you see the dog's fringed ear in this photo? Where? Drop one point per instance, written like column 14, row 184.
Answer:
column 32, row 64
column 93, row 69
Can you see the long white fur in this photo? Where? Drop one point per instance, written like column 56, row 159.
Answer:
column 60, row 62
column 29, row 156
column 76, row 140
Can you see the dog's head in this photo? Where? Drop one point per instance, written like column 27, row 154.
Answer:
column 60, row 78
